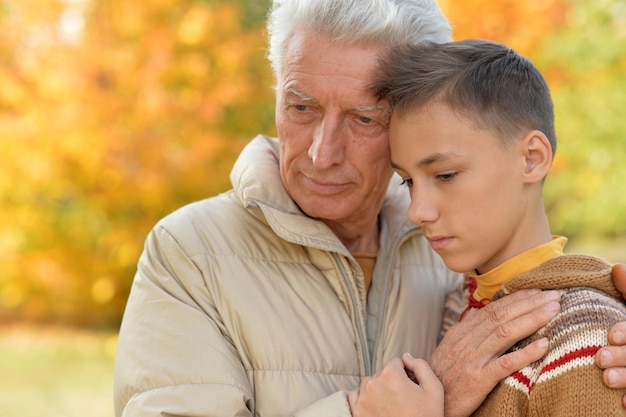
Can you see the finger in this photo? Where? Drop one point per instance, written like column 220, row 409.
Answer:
column 518, row 296
column 505, row 365
column 480, row 323
column 517, row 305
column 492, row 330
column 617, row 334
column 611, row 356
column 353, row 398
column 614, row 377
column 394, row 366
column 509, row 331
column 364, row 383
column 391, row 373
column 619, row 278
column 423, row 373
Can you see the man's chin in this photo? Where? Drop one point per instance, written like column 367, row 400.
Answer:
column 321, row 209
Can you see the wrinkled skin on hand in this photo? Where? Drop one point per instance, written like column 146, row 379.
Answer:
column 469, row 363
column 470, row 360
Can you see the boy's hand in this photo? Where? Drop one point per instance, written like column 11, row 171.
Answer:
column 392, row 393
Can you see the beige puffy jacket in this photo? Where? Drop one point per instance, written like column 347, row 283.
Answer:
column 243, row 306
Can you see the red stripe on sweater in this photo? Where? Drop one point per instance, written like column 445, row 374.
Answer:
column 522, row 379
column 584, row 352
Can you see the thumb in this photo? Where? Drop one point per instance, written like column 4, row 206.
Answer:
column 619, row 278
column 422, row 372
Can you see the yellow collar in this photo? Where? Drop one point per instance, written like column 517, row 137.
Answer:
column 490, row 282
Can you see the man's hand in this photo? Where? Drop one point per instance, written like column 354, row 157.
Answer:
column 391, row 393
column 613, row 358
column 469, row 360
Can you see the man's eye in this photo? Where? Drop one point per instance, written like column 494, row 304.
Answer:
column 300, row 107
column 366, row 120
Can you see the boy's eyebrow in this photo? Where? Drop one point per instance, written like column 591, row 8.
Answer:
column 396, row 166
column 437, row 157
column 429, row 160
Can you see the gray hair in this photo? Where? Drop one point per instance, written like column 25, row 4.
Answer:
column 389, row 22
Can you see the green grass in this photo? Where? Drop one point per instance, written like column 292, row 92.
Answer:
column 56, row 372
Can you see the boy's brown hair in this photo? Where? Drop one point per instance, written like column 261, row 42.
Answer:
column 486, row 82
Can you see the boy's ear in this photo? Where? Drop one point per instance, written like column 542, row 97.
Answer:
column 537, row 153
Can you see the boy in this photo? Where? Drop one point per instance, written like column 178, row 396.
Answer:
column 472, row 136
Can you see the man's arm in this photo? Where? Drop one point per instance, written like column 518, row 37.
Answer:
column 174, row 355
column 468, row 361
column 172, row 358
column 613, row 358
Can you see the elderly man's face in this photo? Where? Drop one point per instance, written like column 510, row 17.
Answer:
column 334, row 152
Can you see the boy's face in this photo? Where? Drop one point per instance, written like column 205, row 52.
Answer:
column 466, row 187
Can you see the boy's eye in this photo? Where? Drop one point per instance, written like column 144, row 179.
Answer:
column 407, row 181
column 448, row 176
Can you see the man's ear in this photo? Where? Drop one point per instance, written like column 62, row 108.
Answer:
column 537, row 153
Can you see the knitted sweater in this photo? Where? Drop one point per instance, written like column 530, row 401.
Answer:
column 566, row 381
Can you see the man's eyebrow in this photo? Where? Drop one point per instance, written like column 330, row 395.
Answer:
column 372, row 107
column 300, row 95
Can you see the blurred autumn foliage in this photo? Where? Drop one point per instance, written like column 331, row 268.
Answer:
column 113, row 113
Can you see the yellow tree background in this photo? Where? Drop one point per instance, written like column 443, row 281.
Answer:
column 113, row 113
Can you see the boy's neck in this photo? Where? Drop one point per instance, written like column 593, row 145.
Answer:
column 533, row 230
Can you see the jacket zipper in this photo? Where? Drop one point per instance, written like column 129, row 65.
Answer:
column 390, row 263
column 357, row 317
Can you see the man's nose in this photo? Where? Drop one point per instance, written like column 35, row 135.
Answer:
column 328, row 145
